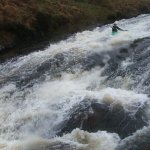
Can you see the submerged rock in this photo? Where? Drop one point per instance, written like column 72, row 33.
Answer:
column 95, row 116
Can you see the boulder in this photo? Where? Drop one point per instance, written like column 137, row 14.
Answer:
column 95, row 116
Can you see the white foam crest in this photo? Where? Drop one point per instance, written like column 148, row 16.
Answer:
column 94, row 141
column 130, row 100
column 126, row 63
column 77, row 140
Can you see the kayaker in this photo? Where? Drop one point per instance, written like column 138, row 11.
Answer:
column 115, row 29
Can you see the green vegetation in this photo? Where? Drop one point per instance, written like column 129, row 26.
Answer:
column 28, row 21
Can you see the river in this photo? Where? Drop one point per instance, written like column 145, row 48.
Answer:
column 88, row 92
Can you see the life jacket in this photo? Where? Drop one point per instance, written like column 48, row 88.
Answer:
column 115, row 28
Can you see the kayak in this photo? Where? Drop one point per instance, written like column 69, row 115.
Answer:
column 114, row 33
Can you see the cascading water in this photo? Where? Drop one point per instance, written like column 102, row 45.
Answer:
column 89, row 92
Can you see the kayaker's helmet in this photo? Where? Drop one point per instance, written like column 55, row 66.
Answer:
column 115, row 23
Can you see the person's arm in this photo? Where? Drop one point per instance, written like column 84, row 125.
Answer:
column 121, row 29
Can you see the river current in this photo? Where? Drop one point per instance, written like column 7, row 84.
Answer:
column 56, row 98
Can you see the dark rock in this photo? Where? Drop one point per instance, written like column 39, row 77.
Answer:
column 95, row 116
column 124, row 50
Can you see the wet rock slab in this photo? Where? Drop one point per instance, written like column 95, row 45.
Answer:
column 95, row 116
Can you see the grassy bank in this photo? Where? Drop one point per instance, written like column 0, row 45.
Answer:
column 24, row 22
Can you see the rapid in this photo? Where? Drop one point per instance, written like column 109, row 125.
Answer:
column 88, row 92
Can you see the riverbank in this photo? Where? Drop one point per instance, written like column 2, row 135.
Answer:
column 26, row 23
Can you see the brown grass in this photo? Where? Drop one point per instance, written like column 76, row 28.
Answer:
column 24, row 20
column 119, row 5
column 25, row 11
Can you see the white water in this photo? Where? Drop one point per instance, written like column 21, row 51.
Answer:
column 36, row 112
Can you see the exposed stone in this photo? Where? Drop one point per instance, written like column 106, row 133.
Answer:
column 95, row 116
